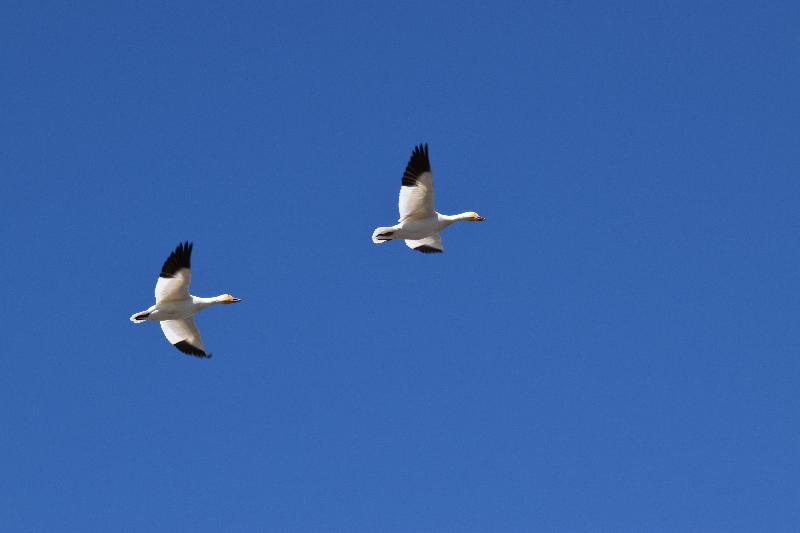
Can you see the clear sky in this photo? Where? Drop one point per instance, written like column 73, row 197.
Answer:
column 614, row 349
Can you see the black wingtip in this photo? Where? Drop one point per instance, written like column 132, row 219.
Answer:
column 180, row 258
column 188, row 349
column 418, row 163
column 425, row 249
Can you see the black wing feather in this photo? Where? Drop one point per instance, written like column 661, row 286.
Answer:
column 425, row 249
column 417, row 165
column 187, row 348
column 180, row 258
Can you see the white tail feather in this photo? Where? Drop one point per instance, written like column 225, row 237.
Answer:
column 378, row 231
column 136, row 320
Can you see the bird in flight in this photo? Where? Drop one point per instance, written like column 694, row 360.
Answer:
column 419, row 223
column 175, row 307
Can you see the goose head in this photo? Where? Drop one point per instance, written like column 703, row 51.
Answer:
column 228, row 299
column 474, row 217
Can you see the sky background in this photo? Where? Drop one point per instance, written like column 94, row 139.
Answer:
column 614, row 349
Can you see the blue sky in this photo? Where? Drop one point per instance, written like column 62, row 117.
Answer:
column 615, row 349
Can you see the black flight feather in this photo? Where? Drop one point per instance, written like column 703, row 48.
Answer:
column 187, row 348
column 417, row 165
column 425, row 249
column 180, row 258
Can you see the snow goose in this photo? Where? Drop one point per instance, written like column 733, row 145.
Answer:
column 175, row 307
column 419, row 223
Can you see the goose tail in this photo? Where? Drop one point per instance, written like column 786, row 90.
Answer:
column 138, row 318
column 381, row 235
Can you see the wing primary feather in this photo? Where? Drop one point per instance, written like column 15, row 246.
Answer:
column 187, row 348
column 180, row 258
column 418, row 163
column 425, row 249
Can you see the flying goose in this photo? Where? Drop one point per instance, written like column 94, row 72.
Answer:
column 175, row 307
column 419, row 223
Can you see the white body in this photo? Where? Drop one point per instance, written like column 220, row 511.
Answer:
column 419, row 223
column 175, row 307
column 422, row 230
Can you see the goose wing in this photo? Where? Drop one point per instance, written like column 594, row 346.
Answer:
column 416, row 191
column 428, row 245
column 176, row 274
column 184, row 335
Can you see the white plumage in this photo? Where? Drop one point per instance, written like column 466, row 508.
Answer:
column 419, row 224
column 175, row 307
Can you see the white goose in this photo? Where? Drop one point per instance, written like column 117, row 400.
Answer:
column 419, row 223
column 175, row 307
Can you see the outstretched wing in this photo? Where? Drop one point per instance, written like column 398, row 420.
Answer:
column 176, row 274
column 183, row 334
column 428, row 245
column 416, row 191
